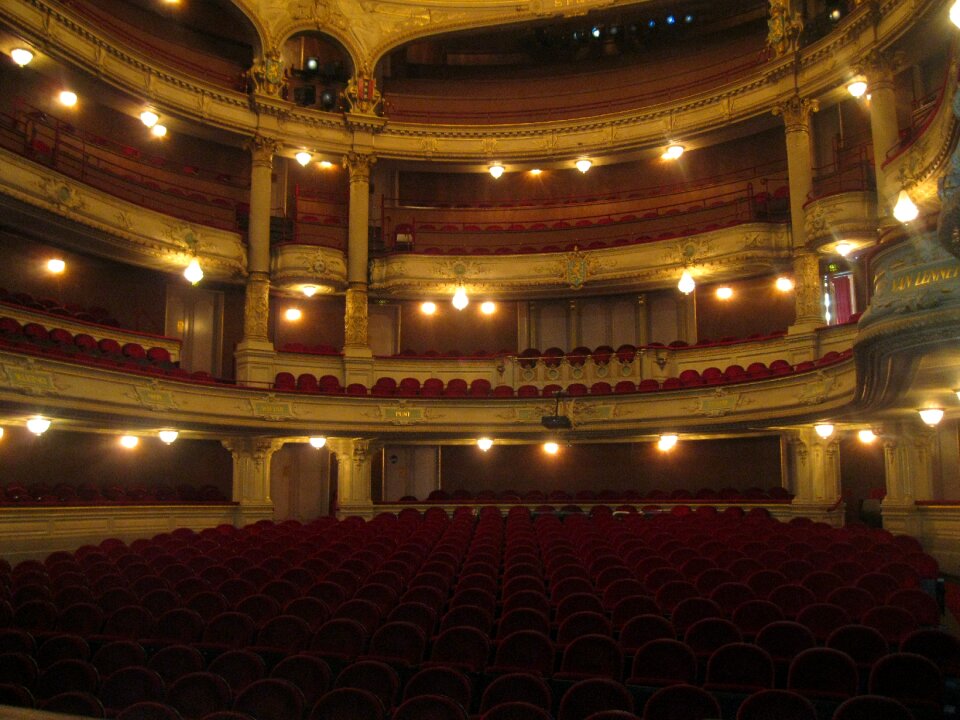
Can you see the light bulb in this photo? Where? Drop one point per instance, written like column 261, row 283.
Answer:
column 866, row 436
column 38, row 425
column 158, row 130
column 68, row 98
column 687, row 283
column 326, row 164
column 551, row 448
column 56, row 265
column 428, row 308
column 583, row 165
column 843, row 248
column 21, row 56
column 724, row 293
column 536, row 171
column 1, row 433
column 460, row 299
column 309, row 290
column 304, row 158
column 129, row 441
column 905, row 210
column 318, row 441
column 496, row 170
column 784, row 284
column 857, row 88
column 484, row 443
column 955, row 13
column 824, row 430
column 672, row 152
column 149, row 118
column 667, row 442
column 488, row 308
column 193, row 273
column 292, row 314
column 168, row 436
column 931, row 416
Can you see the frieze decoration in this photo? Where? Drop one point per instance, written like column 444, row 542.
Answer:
column 576, row 268
column 63, row 195
column 816, row 390
column 29, row 380
column 154, row 398
column 271, row 409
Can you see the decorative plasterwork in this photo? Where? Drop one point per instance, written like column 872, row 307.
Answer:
column 717, row 254
column 294, row 264
column 132, row 233
column 849, row 216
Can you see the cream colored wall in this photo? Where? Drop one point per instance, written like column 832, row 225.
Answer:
column 300, row 482
column 409, row 470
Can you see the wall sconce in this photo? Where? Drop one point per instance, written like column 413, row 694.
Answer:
column 824, row 430
column 931, row 416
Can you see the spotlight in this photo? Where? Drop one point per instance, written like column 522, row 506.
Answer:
column 21, row 56
column 844, row 248
column 954, row 14
column 686, row 285
column 551, row 448
column 824, row 430
column 149, row 118
column 857, row 88
column 193, row 273
column 68, row 98
column 158, row 130
column 931, row 416
column 488, row 308
column 428, row 308
column 484, row 443
column 724, row 293
column 318, row 442
column 866, row 436
column 496, row 170
column 38, row 425
column 292, row 314
column 784, row 284
column 583, row 165
column 460, row 299
column 304, row 158
column 168, row 436
column 905, row 210
column 671, row 20
column 667, row 442
column 313, row 64
column 673, row 152
column 835, row 14
column 309, row 290
column 595, row 31
column 129, row 441
column 56, row 265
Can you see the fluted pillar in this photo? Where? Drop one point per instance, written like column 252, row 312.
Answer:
column 814, row 475
column 254, row 356
column 355, row 320
column 796, row 113
column 884, row 127
column 908, row 468
column 353, row 475
column 251, row 476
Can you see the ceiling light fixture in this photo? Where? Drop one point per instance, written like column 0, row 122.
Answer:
column 1, row 433
column 68, row 98
column 931, row 416
column 496, row 170
column 905, row 210
column 857, row 88
column 293, row 314
column 583, row 165
column 38, row 425
column 149, row 118
column 724, row 293
column 488, row 308
column 687, row 284
column 168, row 436
column 21, row 56
column 667, row 442
column 129, row 441
column 538, row 171
column 866, row 436
column 428, row 308
column 56, row 265
column 484, row 443
column 460, row 299
column 309, row 290
column 304, row 158
column 673, row 152
column 955, row 13
column 784, row 284
column 551, row 448
column 823, row 430
column 326, row 164
column 843, row 248
column 318, row 441
column 158, row 130
column 193, row 273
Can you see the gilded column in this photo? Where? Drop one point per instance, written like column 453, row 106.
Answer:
column 884, row 128
column 353, row 475
column 251, row 476
column 355, row 320
column 796, row 113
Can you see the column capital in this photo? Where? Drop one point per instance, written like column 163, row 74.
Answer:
column 262, row 149
column 879, row 66
column 796, row 112
column 254, row 448
column 359, row 166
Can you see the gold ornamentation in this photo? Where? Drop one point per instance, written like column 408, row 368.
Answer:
column 783, row 28
column 63, row 195
column 267, row 76
column 256, row 307
column 796, row 112
column 355, row 319
column 262, row 148
column 362, row 95
column 576, row 268
column 359, row 165
column 806, row 271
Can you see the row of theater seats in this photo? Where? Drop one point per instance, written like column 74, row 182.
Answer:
column 65, row 493
column 586, row 613
column 97, row 315
column 483, row 388
column 83, row 348
column 727, row 494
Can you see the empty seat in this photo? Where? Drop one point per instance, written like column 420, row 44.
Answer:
column 373, row 677
column 779, row 704
column 681, row 701
column 430, row 707
column 196, row 695
column 347, row 704
column 270, row 699
column 591, row 696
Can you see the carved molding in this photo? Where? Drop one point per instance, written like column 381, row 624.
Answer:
column 796, row 112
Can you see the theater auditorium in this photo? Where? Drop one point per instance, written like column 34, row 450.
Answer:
column 437, row 360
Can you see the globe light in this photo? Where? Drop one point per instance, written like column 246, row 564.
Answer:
column 168, row 436
column 536, row 171
column 326, row 164
column 931, row 416
column 673, row 152
column 905, row 210
column 318, row 441
column 56, row 265
column 68, row 98
column 496, row 170
column 844, row 248
column 857, row 88
column 149, row 118
column 724, row 293
column 129, row 441
column 583, row 165
column 955, row 13
column 304, row 158
column 687, row 283
column 293, row 314
column 866, row 436
column 38, row 425
column 784, row 284
column 551, row 448
column 309, row 290
column 158, row 130
column 824, row 430
column 193, row 273
column 21, row 56
column 484, row 443
column 488, row 308
column 460, row 299
column 667, row 442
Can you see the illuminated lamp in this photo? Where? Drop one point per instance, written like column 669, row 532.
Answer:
column 551, row 448
column 667, row 442
column 724, row 293
column 158, row 130
column 931, row 416
column 460, row 299
column 309, row 290
column 304, row 158
column 68, row 98
column 326, row 164
column 428, row 308
column 484, row 443
column 488, row 308
column 193, row 273
column 905, row 210
column 292, row 314
column 21, row 56
column 129, row 441
column 857, row 88
column 955, row 13
column 686, row 285
column 673, row 152
column 844, row 248
column 823, row 430
column 149, row 118
column 168, row 436
column 536, row 171
column 784, row 284
column 583, row 165
column 318, row 442
column 496, row 170
column 866, row 436
column 38, row 425
column 56, row 265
